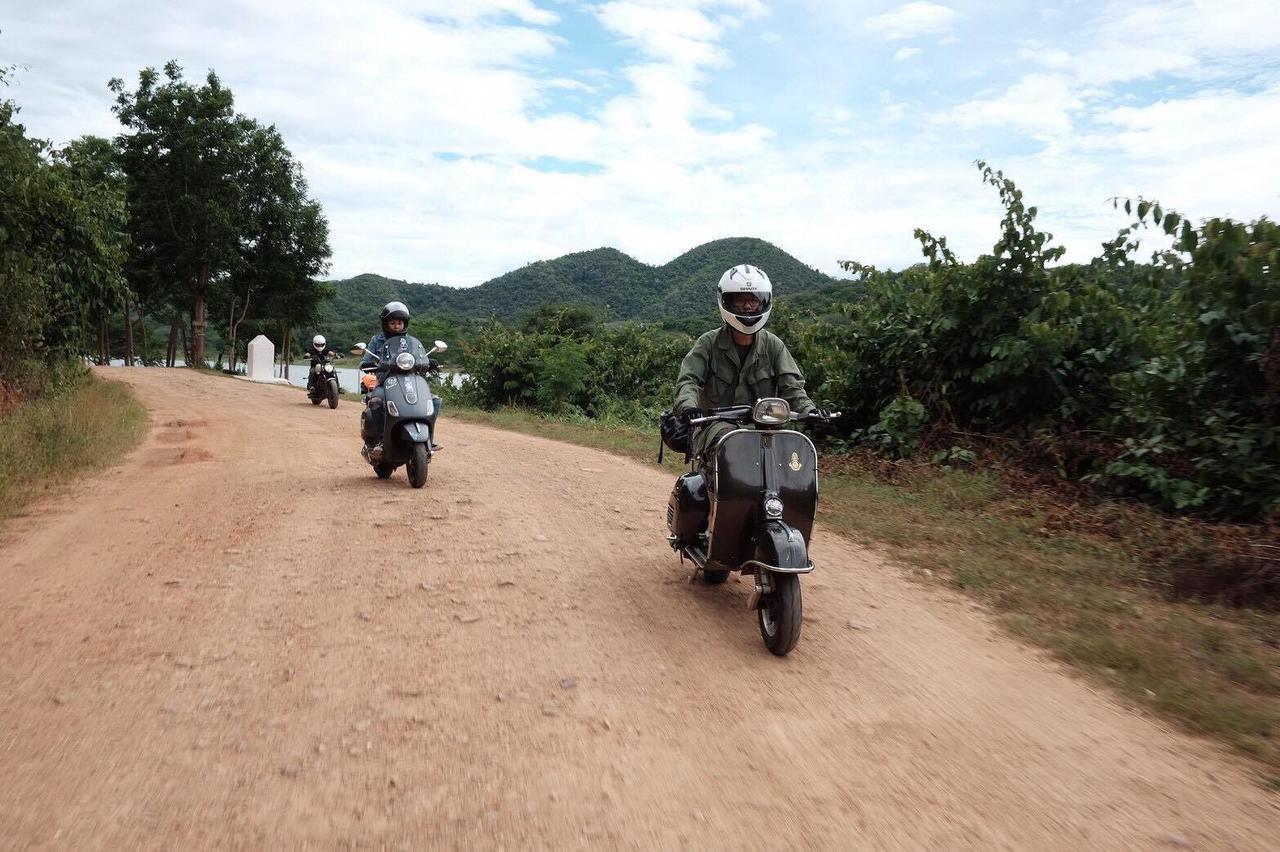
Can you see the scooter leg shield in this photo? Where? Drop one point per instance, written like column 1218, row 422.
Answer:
column 782, row 547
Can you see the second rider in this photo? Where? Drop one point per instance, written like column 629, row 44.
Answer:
column 386, row 345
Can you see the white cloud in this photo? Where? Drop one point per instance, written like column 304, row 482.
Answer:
column 570, row 85
column 646, row 158
column 1039, row 104
column 906, row 53
column 912, row 20
column 1048, row 57
column 1118, row 63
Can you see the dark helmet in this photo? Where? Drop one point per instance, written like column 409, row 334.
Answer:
column 394, row 310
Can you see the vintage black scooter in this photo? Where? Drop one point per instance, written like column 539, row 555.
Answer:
column 751, row 509
column 322, row 383
column 411, row 410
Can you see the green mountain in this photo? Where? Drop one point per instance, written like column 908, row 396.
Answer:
column 605, row 278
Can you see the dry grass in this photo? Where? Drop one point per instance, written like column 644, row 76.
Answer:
column 51, row 440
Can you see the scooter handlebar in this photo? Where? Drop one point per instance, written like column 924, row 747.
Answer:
column 744, row 413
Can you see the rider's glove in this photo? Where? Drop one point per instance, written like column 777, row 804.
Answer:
column 688, row 414
column 824, row 413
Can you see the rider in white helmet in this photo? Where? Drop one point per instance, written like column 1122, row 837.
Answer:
column 319, row 350
column 739, row 362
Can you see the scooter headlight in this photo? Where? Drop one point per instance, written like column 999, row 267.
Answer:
column 771, row 412
column 405, row 361
column 773, row 508
column 328, row 368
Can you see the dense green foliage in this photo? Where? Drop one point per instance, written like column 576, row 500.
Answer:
column 1157, row 379
column 1153, row 379
column 62, row 244
column 563, row 359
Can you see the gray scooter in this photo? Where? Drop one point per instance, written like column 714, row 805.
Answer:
column 411, row 410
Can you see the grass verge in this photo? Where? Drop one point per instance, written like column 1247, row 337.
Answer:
column 86, row 425
column 1095, row 599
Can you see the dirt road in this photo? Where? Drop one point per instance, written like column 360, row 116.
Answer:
column 240, row 637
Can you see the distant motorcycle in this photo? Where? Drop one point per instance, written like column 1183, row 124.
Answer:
column 322, row 381
column 411, row 410
column 751, row 510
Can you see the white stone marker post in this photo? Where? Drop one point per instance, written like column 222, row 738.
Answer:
column 262, row 359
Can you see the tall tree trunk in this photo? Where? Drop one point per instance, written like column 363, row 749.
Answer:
column 128, row 332
column 198, row 322
column 186, row 346
column 171, row 353
column 104, row 340
column 285, row 346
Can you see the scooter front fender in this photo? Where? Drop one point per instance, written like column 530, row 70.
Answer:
column 780, row 548
column 416, row 432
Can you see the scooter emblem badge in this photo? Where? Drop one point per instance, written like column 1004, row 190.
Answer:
column 795, row 461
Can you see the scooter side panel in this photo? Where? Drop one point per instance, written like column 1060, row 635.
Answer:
column 739, row 484
column 793, row 463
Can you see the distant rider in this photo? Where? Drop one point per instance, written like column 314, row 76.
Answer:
column 318, row 352
column 739, row 362
column 389, row 343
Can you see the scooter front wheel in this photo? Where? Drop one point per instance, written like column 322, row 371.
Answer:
column 781, row 613
column 332, row 392
column 417, row 466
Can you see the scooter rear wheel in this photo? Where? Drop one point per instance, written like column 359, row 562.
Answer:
column 383, row 470
column 780, row 614
column 714, row 578
column 315, row 400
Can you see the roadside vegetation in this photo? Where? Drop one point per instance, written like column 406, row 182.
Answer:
column 80, row 425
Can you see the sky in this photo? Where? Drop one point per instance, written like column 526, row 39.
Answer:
column 453, row 140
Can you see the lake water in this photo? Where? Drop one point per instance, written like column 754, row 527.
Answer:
column 348, row 377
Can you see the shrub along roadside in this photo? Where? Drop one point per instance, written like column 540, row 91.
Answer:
column 1084, row 583
column 83, row 423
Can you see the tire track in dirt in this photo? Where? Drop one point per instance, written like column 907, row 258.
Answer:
column 267, row 646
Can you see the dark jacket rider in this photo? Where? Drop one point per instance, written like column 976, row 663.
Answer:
column 739, row 362
column 387, row 344
column 318, row 350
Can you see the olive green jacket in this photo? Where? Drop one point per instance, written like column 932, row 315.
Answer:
column 712, row 376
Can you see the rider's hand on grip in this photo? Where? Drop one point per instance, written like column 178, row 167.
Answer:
column 688, row 414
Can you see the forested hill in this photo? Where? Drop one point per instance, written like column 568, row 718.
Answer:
column 604, row 276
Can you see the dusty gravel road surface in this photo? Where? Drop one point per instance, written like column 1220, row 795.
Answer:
column 239, row 637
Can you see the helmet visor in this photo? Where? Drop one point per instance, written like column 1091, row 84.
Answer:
column 748, row 307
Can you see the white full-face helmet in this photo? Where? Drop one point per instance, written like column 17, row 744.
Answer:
column 318, row 341
column 736, row 286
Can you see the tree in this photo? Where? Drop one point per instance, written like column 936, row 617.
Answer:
column 61, row 244
column 186, row 159
column 90, row 167
column 285, row 243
